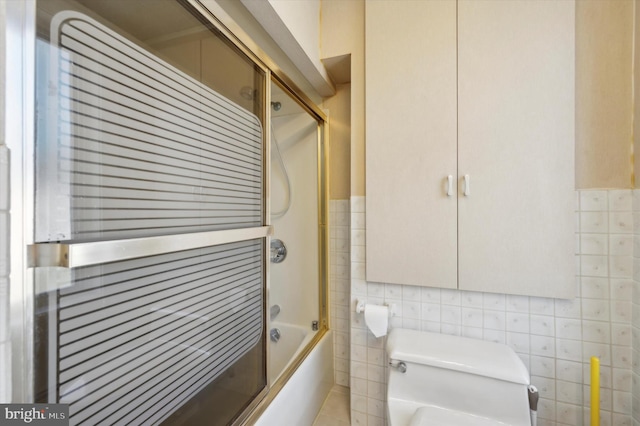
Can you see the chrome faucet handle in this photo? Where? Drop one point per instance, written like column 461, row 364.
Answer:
column 400, row 365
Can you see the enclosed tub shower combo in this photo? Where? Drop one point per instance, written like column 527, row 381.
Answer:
column 164, row 156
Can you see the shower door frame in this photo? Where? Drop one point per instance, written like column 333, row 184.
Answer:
column 19, row 135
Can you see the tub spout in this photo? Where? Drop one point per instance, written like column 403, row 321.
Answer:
column 274, row 311
column 275, row 334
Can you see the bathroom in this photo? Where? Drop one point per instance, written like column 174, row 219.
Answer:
column 322, row 52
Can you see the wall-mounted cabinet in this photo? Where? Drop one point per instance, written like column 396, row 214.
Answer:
column 482, row 90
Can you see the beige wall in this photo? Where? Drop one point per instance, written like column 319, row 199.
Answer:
column 339, row 107
column 604, row 55
column 342, row 32
column 636, row 98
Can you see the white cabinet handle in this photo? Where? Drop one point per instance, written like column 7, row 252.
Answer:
column 449, row 185
column 467, row 188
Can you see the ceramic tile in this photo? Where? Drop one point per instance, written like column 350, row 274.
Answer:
column 430, row 295
column 596, row 331
column 517, row 303
column 451, row 297
column 621, row 222
column 358, row 204
column 568, row 414
column 621, row 379
column 546, row 387
column 494, row 320
column 472, row 299
column 568, row 308
column 357, row 220
column 375, row 407
column 621, row 356
column 593, row 200
column 596, row 244
column 569, row 392
column 541, row 306
column 621, row 289
column 594, row 309
column 542, row 345
column 542, row 325
column 570, row 350
column 543, row 366
column 472, row 317
column 411, row 310
column 411, row 323
column 451, row 314
column 569, row 371
column 495, row 336
column 517, row 322
column 621, row 311
column 451, row 329
column 622, row 402
column 594, row 287
column 594, row 266
column 621, row 334
column 599, row 350
column 621, row 244
column 411, row 293
column 357, row 237
column 393, row 291
column 555, row 338
column 519, row 342
column 471, row 332
column 620, row 200
column 494, row 301
column 430, row 312
column 621, row 266
column 594, row 222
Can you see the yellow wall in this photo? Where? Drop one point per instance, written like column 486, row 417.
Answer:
column 604, row 56
column 339, row 142
column 604, row 98
column 342, row 32
column 636, row 97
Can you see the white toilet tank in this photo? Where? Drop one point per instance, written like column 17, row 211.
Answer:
column 453, row 380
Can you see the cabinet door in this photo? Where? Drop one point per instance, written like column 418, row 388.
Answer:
column 516, row 142
column 411, row 142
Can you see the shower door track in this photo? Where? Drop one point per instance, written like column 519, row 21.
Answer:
column 76, row 255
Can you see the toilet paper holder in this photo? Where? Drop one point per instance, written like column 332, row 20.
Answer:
column 360, row 304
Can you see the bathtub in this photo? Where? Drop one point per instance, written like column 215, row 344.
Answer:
column 293, row 339
column 301, row 398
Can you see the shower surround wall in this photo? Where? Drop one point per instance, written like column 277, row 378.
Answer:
column 555, row 338
column 635, row 325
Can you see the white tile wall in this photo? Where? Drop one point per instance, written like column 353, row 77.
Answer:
column 629, row 245
column 554, row 338
column 339, row 285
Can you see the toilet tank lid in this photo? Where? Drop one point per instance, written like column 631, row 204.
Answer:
column 457, row 353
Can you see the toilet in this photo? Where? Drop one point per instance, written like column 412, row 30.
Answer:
column 437, row 379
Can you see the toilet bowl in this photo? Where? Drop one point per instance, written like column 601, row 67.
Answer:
column 437, row 379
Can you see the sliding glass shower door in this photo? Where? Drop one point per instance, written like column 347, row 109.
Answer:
column 150, row 217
